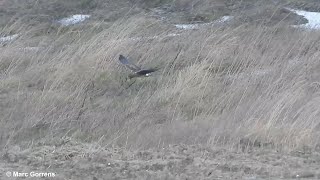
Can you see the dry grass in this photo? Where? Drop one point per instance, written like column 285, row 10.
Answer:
column 215, row 86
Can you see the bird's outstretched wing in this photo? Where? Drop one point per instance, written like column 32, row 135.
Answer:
column 128, row 64
column 146, row 71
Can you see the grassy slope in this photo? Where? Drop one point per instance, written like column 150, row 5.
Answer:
column 215, row 86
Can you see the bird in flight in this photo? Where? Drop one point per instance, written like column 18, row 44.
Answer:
column 137, row 71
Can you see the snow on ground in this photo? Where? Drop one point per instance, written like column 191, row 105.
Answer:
column 187, row 26
column 312, row 17
column 74, row 19
column 223, row 19
column 6, row 39
column 31, row 49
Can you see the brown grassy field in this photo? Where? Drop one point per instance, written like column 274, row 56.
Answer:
column 241, row 86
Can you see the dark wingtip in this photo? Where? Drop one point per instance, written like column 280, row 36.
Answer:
column 121, row 56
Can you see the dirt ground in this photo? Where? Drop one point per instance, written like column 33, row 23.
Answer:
column 71, row 160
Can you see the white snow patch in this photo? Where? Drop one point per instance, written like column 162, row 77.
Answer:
column 74, row 19
column 6, row 39
column 172, row 35
column 31, row 49
column 312, row 17
column 187, row 26
column 223, row 19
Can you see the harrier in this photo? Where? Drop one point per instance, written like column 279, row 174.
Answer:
column 137, row 71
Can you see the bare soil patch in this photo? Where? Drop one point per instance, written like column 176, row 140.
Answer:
column 70, row 160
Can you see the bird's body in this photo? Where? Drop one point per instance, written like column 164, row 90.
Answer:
column 138, row 72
